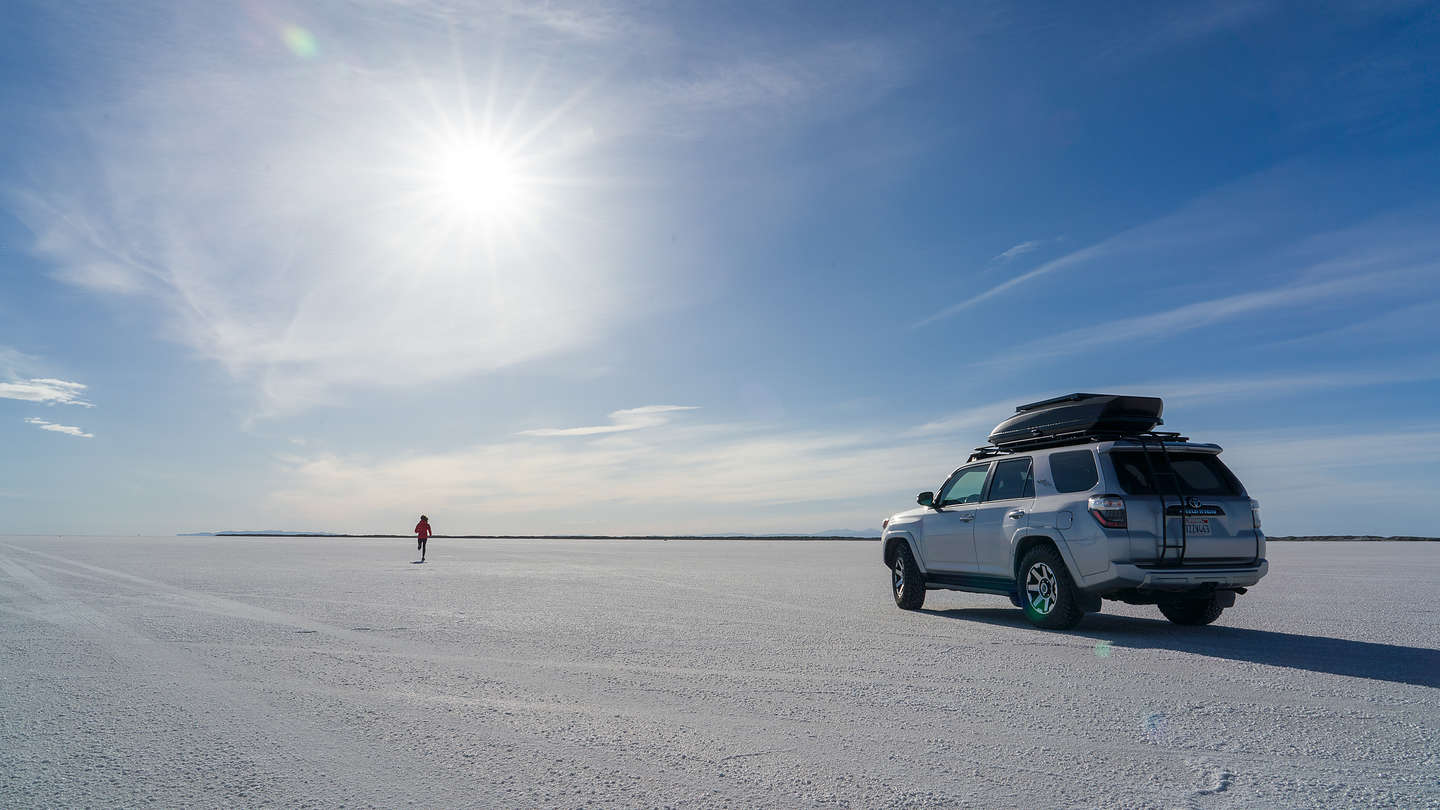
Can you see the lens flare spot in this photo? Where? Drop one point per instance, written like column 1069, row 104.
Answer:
column 300, row 41
column 1153, row 726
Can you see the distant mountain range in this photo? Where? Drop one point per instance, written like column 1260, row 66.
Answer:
column 1367, row 538
column 828, row 533
column 266, row 532
column 857, row 534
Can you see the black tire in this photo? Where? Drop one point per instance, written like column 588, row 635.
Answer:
column 1043, row 569
column 1191, row 612
column 906, row 581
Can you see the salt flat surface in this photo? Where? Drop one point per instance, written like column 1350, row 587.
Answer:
column 504, row 673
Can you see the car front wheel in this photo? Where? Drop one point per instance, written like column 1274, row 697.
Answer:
column 906, row 581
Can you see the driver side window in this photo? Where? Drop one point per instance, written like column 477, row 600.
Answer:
column 965, row 487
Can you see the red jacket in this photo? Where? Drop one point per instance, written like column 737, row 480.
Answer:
column 423, row 529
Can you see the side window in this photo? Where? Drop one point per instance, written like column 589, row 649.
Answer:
column 965, row 487
column 1074, row 471
column 1012, row 479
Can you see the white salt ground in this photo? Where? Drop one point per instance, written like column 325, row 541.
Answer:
column 224, row 672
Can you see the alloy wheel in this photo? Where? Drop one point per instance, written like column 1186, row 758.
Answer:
column 1040, row 588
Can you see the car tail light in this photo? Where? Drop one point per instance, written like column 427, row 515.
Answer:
column 1255, row 512
column 1109, row 511
column 886, row 522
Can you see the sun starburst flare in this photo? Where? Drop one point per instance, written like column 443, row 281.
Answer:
column 479, row 182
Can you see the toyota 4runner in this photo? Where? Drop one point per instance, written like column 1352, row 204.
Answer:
column 1063, row 513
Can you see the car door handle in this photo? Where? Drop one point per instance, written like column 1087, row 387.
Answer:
column 968, row 516
column 1017, row 514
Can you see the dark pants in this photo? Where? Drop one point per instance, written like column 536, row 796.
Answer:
column 420, row 544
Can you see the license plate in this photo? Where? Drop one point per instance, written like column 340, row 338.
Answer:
column 1197, row 527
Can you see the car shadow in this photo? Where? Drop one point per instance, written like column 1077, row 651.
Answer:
column 1419, row 666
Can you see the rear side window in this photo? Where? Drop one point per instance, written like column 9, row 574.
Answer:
column 1198, row 474
column 1074, row 471
column 1011, row 480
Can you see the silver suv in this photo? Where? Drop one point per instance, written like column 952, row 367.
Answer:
column 1066, row 512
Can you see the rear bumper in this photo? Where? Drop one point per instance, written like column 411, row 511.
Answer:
column 1120, row 576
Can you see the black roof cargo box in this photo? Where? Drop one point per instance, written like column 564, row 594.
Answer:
column 1077, row 415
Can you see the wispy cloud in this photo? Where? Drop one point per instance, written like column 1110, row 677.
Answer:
column 769, row 91
column 626, row 487
column 621, row 421
column 1209, row 218
column 1017, row 251
column 1192, row 391
column 1069, row 260
column 1230, row 224
column 976, row 421
column 678, row 476
column 1174, row 25
column 68, row 430
column 592, row 20
column 1400, row 324
column 14, row 363
column 1200, row 314
column 44, row 389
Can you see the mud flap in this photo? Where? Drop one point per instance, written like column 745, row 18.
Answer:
column 1089, row 602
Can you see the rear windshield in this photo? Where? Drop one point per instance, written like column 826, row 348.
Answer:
column 1198, row 473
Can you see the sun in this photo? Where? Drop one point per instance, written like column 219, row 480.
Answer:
column 480, row 172
column 479, row 182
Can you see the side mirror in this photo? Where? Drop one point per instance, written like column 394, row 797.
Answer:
column 926, row 499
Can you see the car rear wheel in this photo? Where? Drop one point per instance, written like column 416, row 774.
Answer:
column 906, row 581
column 1191, row 611
column 1047, row 593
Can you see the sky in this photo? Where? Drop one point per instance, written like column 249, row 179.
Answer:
column 643, row 268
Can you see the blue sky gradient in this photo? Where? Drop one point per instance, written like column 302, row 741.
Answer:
column 755, row 268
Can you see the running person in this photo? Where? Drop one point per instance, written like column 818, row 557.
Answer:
column 422, row 533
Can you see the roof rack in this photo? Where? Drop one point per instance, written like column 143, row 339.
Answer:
column 1078, row 437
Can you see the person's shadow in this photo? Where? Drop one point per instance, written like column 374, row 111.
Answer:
column 1359, row 659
